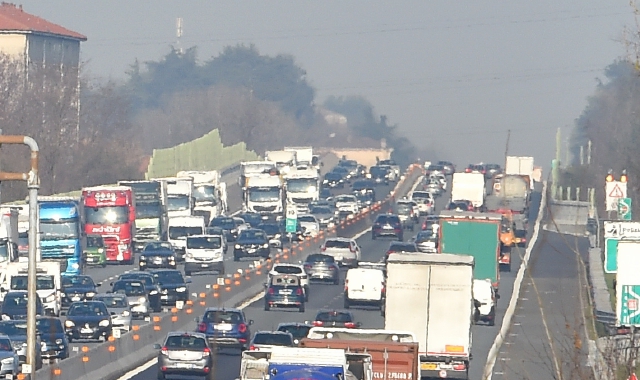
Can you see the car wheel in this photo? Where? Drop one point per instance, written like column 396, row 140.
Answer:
column 104, row 265
column 492, row 322
column 222, row 271
column 301, row 309
column 70, row 339
column 141, row 269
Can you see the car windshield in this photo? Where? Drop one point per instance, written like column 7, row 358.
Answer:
column 298, row 331
column 49, row 325
column 320, row 259
column 149, row 210
column 420, row 194
column 204, row 242
column 145, row 278
column 321, row 210
column 287, row 269
column 222, row 316
column 129, row 288
column 5, row 345
column 185, row 342
column 425, row 235
column 337, row 244
column 345, row 198
column 114, row 301
column 83, row 281
column 403, row 248
column 252, row 235
column 158, row 246
column 176, row 232
column 169, row 277
column 224, row 223
column 43, row 282
column 273, row 339
column 15, row 300
column 13, row 328
column 333, row 317
column 87, row 309
column 307, row 218
column 382, row 219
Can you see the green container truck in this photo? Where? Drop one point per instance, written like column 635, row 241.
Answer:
column 474, row 234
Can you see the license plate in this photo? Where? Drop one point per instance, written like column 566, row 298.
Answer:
column 164, row 297
column 76, row 298
column 286, row 292
column 387, row 227
column 157, row 261
column 205, row 265
column 428, row 366
column 252, row 250
column 222, row 327
column 185, row 365
column 86, row 331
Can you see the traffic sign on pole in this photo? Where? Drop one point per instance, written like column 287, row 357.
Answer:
column 630, row 305
column 614, row 191
column 613, row 232
column 291, row 223
column 624, row 208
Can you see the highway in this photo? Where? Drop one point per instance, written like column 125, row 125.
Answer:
column 328, row 296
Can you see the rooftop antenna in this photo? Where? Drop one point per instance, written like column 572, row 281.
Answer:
column 179, row 34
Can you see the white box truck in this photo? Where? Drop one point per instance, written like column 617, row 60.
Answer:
column 438, row 289
column 628, row 284
column 285, row 160
column 180, row 200
column 48, row 283
column 520, row 165
column 210, row 192
column 469, row 187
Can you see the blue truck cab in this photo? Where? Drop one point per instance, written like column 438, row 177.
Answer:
column 61, row 233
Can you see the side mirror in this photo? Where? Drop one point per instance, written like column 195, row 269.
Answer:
column 250, row 321
column 113, row 313
column 63, row 312
column 157, row 346
column 98, row 285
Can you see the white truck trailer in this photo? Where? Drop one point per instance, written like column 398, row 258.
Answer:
column 210, row 192
column 285, row 160
column 304, row 156
column 438, row 288
column 470, row 187
column 180, row 198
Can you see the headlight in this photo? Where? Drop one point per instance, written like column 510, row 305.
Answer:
column 5, row 317
column 100, row 250
column 63, row 295
column 126, row 313
column 50, row 298
column 90, row 294
column 265, row 245
column 104, row 323
column 181, row 289
column 237, row 246
column 277, row 236
column 75, row 265
column 153, row 292
column 142, row 299
column 58, row 341
column 69, row 323
column 143, row 257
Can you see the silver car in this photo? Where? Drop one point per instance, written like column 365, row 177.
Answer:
column 136, row 296
column 119, row 308
column 9, row 359
column 16, row 330
column 185, row 353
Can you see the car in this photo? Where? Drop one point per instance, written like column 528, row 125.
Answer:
column 429, row 221
column 379, row 174
column 324, row 214
column 284, row 290
column 365, row 286
column 344, row 172
column 218, row 231
column 346, row 202
column 17, row 332
column 441, row 179
column 136, row 296
column 485, row 299
column 173, row 287
column 321, row 267
column 476, row 168
column 492, row 169
column 267, row 340
column 333, row 180
column 227, row 224
column 435, row 169
column 9, row 359
column 309, row 224
column 434, row 186
column 325, row 192
column 14, row 305
column 521, row 237
column 185, row 353
column 345, row 251
column 425, row 202
column 95, row 252
column 240, row 224
column 351, row 165
column 299, row 331
column 55, row 344
column 400, row 247
column 365, row 198
column 89, row 320
column 252, row 243
column 426, row 242
column 157, row 254
column 225, row 327
column 460, row 205
column 447, row 166
column 335, row 318
column 119, row 309
column 151, row 287
column 387, row 225
column 77, row 288
column 407, row 214
column 204, row 253
column 364, row 186
column 273, row 233
column 292, row 269
column 251, row 218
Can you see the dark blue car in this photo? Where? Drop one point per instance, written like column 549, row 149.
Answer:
column 54, row 340
column 284, row 291
column 251, row 243
column 77, row 288
column 227, row 328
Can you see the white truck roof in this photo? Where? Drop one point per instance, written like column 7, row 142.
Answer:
column 296, row 355
column 280, row 156
column 201, row 177
column 302, row 173
column 430, row 258
column 264, row 181
column 186, row 221
column 470, row 215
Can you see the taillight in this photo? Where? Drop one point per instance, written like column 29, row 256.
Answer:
column 271, row 291
column 468, row 170
column 164, row 351
column 206, row 352
column 317, row 323
column 332, row 268
column 523, row 239
column 459, row 367
column 202, row 327
column 350, row 325
column 253, row 348
column 23, row 247
column 299, row 291
column 242, row 328
column 307, row 266
column 382, row 290
column 389, row 252
column 484, row 172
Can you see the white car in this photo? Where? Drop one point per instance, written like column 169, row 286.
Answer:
column 442, row 179
column 294, row 269
column 348, row 203
column 310, row 225
column 413, row 204
column 425, row 201
column 485, row 300
column 345, row 251
column 365, row 285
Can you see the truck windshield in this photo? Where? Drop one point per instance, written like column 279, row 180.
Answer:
column 106, row 215
column 205, row 193
column 208, row 242
column 58, row 230
column 302, row 185
column 264, row 195
column 178, row 203
column 177, row 232
column 4, row 253
column 42, row 282
column 148, row 210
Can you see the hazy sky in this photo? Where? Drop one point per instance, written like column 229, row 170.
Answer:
column 455, row 75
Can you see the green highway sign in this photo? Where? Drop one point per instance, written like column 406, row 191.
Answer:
column 611, row 255
column 624, row 209
column 291, row 223
column 629, row 307
column 615, row 231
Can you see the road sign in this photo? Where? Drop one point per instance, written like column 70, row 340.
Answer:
column 624, row 209
column 291, row 223
column 629, row 307
column 613, row 232
column 614, row 191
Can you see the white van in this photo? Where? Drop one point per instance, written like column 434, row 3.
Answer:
column 485, row 299
column 204, row 253
column 182, row 226
column 365, row 285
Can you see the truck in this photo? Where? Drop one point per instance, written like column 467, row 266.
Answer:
column 180, row 197
column 48, row 283
column 250, row 169
column 182, row 226
column 61, row 232
column 302, row 187
column 627, row 285
column 474, row 234
column 304, row 156
column 285, row 160
column 110, row 211
column 289, row 363
column 151, row 214
column 439, row 288
column 509, row 192
column 394, row 354
column 9, row 235
column 470, row 187
column 264, row 195
column 520, row 165
column 210, row 193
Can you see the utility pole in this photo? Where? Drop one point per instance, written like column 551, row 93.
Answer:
column 179, row 34
column 506, row 148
